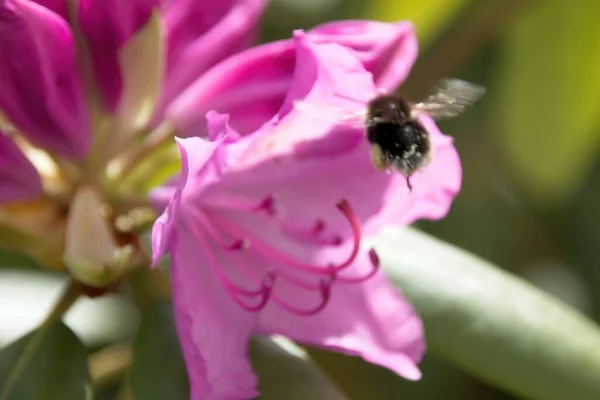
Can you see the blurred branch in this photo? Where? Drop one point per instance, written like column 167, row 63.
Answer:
column 109, row 363
column 461, row 44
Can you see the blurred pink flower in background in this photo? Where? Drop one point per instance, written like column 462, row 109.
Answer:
column 264, row 228
column 54, row 69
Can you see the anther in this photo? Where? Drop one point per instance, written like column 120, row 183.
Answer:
column 319, row 226
column 240, row 244
column 345, row 208
column 337, row 240
column 374, row 258
column 268, row 205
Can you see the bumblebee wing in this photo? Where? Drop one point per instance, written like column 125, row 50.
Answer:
column 334, row 114
column 450, row 98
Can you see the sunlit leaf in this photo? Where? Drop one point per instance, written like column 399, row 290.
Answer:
column 48, row 364
column 492, row 324
column 158, row 371
column 286, row 372
column 547, row 96
column 430, row 17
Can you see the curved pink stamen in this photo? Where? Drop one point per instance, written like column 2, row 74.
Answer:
column 345, row 208
column 325, row 292
column 264, row 292
column 237, row 244
column 233, row 202
column 314, row 234
column 374, row 258
column 235, row 291
column 271, row 253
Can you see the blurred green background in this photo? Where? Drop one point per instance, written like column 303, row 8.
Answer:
column 531, row 186
column 530, row 150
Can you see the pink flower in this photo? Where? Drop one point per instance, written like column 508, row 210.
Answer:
column 41, row 91
column 50, row 77
column 81, row 85
column 252, row 85
column 19, row 179
column 264, row 229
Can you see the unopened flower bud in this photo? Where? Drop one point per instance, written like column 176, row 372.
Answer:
column 92, row 255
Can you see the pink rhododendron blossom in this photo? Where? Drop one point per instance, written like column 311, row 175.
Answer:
column 107, row 25
column 252, row 85
column 202, row 33
column 264, row 229
column 52, row 73
column 40, row 87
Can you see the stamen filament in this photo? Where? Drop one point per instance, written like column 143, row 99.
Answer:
column 374, row 258
column 232, row 202
column 236, row 244
column 325, row 291
column 235, row 290
column 279, row 257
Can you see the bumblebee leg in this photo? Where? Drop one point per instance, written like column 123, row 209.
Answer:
column 378, row 158
column 408, row 184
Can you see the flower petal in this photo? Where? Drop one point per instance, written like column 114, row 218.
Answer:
column 387, row 50
column 371, row 320
column 41, row 89
column 108, row 25
column 58, row 6
column 213, row 330
column 249, row 86
column 19, row 179
column 163, row 231
column 252, row 85
column 202, row 33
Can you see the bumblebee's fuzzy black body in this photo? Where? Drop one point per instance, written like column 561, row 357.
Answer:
column 398, row 140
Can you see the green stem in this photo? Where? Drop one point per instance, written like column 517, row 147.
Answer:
column 64, row 303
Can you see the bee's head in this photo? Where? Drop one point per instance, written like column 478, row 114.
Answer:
column 388, row 108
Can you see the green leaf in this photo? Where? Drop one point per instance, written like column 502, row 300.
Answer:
column 11, row 259
column 430, row 17
column 158, row 370
column 49, row 363
column 492, row 324
column 286, row 372
column 547, row 97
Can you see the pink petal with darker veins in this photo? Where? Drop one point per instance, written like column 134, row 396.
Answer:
column 107, row 25
column 41, row 90
column 19, row 180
